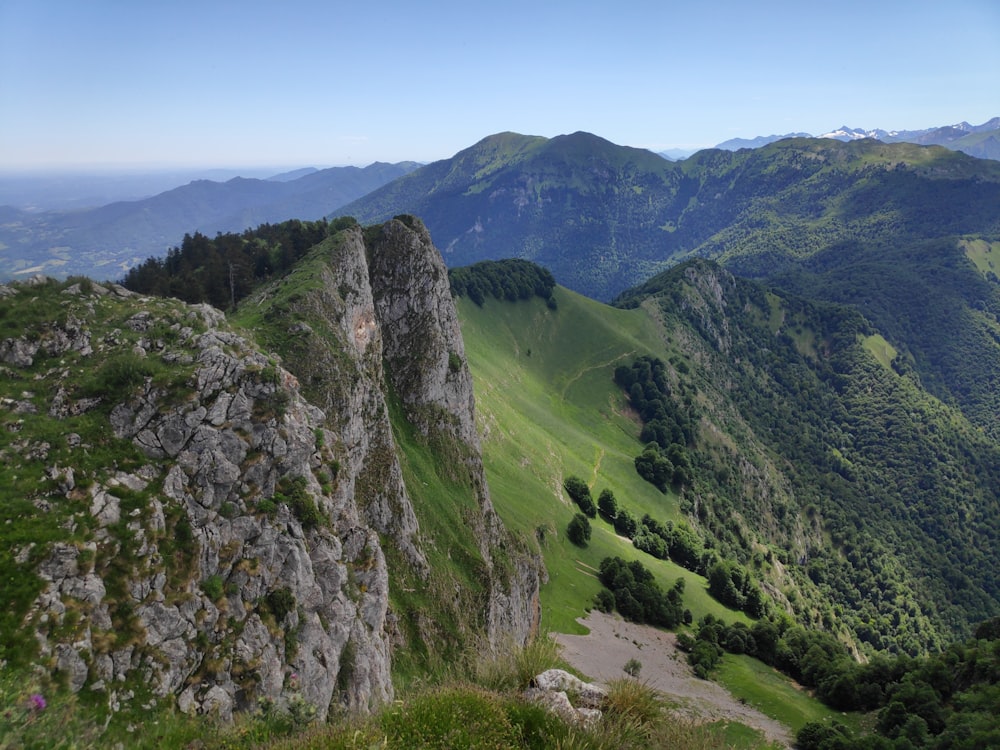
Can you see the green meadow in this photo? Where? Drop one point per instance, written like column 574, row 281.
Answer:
column 548, row 408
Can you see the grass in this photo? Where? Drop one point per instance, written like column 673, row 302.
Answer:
column 880, row 349
column 985, row 255
column 548, row 408
column 774, row 694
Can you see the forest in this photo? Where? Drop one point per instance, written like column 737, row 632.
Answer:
column 223, row 270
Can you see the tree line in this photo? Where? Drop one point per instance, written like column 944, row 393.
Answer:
column 224, row 269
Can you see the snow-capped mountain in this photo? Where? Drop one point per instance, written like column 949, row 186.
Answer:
column 845, row 133
column 982, row 141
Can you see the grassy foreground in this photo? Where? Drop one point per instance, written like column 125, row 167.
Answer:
column 477, row 704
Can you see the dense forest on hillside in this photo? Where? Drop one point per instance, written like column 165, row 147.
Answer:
column 223, row 270
column 931, row 301
column 899, row 494
column 509, row 280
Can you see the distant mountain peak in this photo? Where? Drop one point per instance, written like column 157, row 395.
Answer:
column 975, row 140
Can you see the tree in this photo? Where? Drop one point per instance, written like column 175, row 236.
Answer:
column 608, row 505
column 579, row 493
column 578, row 530
column 625, row 524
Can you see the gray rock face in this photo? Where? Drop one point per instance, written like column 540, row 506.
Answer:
column 253, row 563
column 425, row 358
column 278, row 576
column 551, row 689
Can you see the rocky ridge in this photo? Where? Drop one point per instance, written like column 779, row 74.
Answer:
column 237, row 555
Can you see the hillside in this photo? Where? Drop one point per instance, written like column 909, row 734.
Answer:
column 604, row 218
column 306, row 504
column 868, row 506
column 194, row 519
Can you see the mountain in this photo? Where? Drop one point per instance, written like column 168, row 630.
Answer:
column 735, row 144
column 304, row 505
column 293, row 175
column 981, row 141
column 191, row 518
column 603, row 217
column 104, row 242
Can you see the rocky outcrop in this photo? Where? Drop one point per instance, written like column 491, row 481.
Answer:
column 425, row 359
column 552, row 689
column 245, row 565
column 243, row 555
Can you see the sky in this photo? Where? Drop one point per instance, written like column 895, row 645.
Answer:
column 150, row 84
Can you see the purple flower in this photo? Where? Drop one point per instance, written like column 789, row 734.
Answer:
column 37, row 702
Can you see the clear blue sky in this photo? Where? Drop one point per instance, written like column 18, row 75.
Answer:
column 89, row 83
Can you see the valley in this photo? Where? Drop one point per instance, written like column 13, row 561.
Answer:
column 799, row 439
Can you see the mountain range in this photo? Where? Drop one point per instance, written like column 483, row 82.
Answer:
column 103, row 242
column 604, row 217
column 982, row 141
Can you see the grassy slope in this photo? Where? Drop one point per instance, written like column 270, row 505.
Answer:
column 548, row 408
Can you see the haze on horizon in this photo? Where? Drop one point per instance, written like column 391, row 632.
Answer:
column 188, row 84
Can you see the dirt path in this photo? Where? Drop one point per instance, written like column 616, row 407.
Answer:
column 612, row 642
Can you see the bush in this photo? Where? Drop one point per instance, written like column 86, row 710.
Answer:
column 579, row 493
column 632, row 667
column 608, row 505
column 212, row 586
column 605, row 601
column 578, row 531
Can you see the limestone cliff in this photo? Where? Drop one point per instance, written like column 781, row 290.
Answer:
column 225, row 515
column 425, row 357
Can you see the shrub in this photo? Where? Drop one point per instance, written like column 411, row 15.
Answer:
column 632, row 667
column 608, row 505
column 632, row 700
column 212, row 586
column 511, row 666
column 579, row 493
column 118, row 376
column 578, row 531
column 605, row 601
column 280, row 602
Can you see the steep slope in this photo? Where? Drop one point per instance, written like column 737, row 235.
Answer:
column 386, row 294
column 603, row 217
column 103, row 242
column 181, row 532
column 184, row 525
column 937, row 302
column 898, row 488
column 864, row 505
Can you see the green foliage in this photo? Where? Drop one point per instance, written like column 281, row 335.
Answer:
column 607, row 504
column 637, row 595
column 118, row 376
column 224, row 270
column 450, row 717
column 731, row 584
column 509, row 280
column 579, row 493
column 578, row 531
column 668, row 421
column 632, row 667
column 294, row 493
column 507, row 666
column 882, row 472
column 213, row 587
column 280, row 602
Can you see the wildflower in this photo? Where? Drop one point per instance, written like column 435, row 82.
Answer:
column 37, row 702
